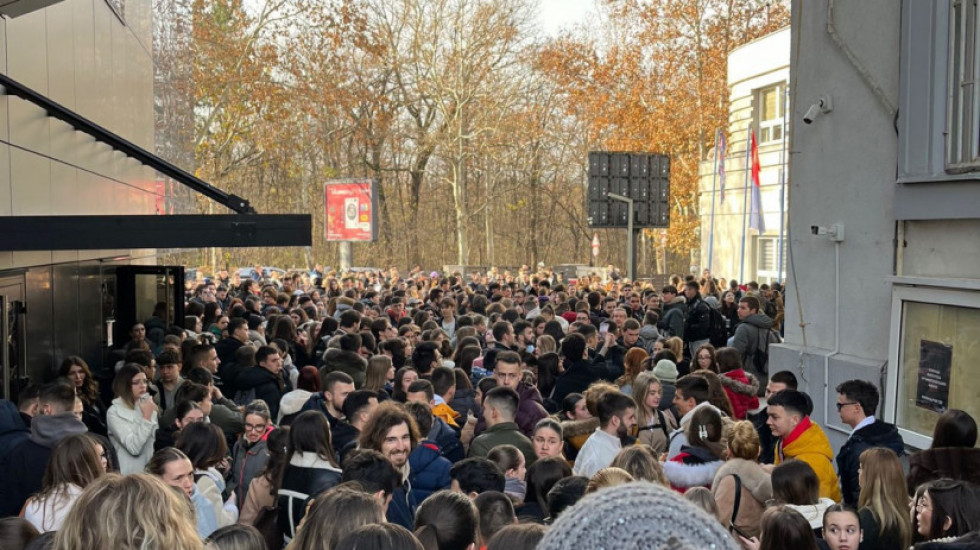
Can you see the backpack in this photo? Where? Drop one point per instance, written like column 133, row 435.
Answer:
column 760, row 357
column 718, row 329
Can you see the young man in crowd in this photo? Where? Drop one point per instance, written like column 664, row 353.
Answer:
column 802, row 439
column 617, row 416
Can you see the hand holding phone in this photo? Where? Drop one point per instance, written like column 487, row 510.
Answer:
column 603, row 328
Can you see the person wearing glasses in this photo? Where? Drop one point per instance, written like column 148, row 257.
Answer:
column 132, row 419
column 857, row 401
column 250, row 453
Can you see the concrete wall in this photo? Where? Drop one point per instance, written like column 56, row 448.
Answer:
column 79, row 54
column 842, row 170
column 754, row 66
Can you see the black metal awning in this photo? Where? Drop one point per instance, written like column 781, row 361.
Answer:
column 245, row 228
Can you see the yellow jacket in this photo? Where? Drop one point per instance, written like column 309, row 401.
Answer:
column 808, row 443
column 446, row 413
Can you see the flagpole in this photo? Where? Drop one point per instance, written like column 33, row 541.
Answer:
column 714, row 190
column 782, row 190
column 745, row 203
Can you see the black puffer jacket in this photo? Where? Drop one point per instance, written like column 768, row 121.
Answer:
column 879, row 434
column 306, row 476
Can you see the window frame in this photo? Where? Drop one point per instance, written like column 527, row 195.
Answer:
column 962, row 141
column 781, row 121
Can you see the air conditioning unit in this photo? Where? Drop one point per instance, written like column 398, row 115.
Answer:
column 16, row 8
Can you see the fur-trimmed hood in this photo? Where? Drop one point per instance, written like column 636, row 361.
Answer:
column 751, row 388
column 753, row 477
column 575, row 428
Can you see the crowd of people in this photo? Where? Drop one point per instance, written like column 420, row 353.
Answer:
column 373, row 411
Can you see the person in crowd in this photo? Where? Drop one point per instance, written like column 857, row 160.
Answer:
column 946, row 509
column 358, row 407
column 403, row 379
column 442, row 432
column 335, row 514
column 743, row 474
column 564, row 494
column 175, row 469
column 952, row 453
column 857, row 401
column 697, row 319
column 447, row 521
column 76, row 461
column 507, row 371
column 635, row 515
column 311, row 468
column 236, row 537
column 698, row 461
column 266, row 380
column 429, row 469
column 184, row 413
column 634, row 365
column 343, row 356
column 883, row 502
column 665, row 370
column 579, row 370
column 511, row 461
column 705, row 359
column 205, row 446
column 374, row 473
column 476, row 475
column 802, row 439
column 379, row 376
column 653, row 425
column 221, row 411
column 307, row 384
column 842, row 528
column 22, row 468
column 394, row 433
column 741, row 387
column 500, row 408
column 264, row 488
column 782, row 380
column 716, row 392
column 796, row 485
column 640, row 462
column 77, row 371
column 753, row 334
column 782, row 527
column 250, row 453
column 226, row 347
column 690, row 395
column 169, row 379
column 608, row 477
column 541, row 477
column 132, row 511
column 703, row 499
column 496, row 513
column 386, row 536
column 132, row 419
column 547, row 439
column 617, row 416
column 19, row 534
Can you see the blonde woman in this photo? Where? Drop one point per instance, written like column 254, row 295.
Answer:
column 752, row 480
column 128, row 513
column 653, row 425
column 883, row 501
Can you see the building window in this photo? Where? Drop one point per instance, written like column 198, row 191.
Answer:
column 962, row 140
column 772, row 118
column 767, row 265
column 935, row 359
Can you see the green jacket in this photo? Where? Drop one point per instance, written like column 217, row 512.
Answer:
column 505, row 433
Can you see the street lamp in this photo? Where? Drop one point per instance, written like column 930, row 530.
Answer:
column 629, row 234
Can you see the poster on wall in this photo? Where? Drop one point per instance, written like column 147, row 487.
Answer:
column 935, row 361
column 351, row 207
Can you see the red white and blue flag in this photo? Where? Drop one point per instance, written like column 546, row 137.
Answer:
column 756, row 219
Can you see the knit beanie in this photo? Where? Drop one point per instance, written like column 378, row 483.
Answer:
column 665, row 371
column 638, row 516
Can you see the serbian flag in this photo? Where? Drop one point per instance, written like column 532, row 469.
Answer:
column 756, row 220
column 721, row 163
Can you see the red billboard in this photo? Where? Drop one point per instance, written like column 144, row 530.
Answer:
column 351, row 208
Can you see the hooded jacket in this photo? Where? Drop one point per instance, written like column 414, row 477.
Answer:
column 12, row 428
column 22, row 470
column 756, row 490
column 741, row 388
column 808, row 443
column 447, row 440
column 672, row 322
column 268, row 387
column 878, row 434
column 576, row 433
column 429, row 469
column 350, row 362
column 750, row 335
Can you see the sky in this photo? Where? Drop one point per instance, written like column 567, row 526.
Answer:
column 556, row 14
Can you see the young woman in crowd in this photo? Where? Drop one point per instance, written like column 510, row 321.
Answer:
column 705, row 358
column 379, row 376
column 514, row 466
column 547, row 438
column 740, row 387
column 633, row 365
column 795, row 484
column 653, row 425
column 384, row 536
column 264, row 487
column 250, row 452
column 952, row 453
column 186, row 413
column 782, row 528
column 76, row 370
column 236, row 537
column 946, row 509
column 541, row 477
column 702, row 457
column 753, row 482
column 882, row 501
column 76, row 461
column 175, row 469
column 311, row 468
column 132, row 419
column 133, row 511
column 335, row 514
column 403, row 379
column 641, row 463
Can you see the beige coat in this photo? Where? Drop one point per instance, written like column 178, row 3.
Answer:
column 756, row 490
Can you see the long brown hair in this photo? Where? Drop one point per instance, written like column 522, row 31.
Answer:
column 784, row 527
column 633, row 363
column 89, row 392
column 73, row 462
column 334, row 514
column 883, row 492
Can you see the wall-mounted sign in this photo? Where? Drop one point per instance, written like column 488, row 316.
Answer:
column 935, row 361
column 352, row 207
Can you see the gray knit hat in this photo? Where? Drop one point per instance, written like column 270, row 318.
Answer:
column 666, row 371
column 636, row 516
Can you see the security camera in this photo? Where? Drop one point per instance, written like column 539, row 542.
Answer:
column 823, row 105
column 817, row 230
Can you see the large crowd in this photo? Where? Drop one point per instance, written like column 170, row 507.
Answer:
column 372, row 410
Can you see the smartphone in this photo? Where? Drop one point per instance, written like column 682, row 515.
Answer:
column 603, row 328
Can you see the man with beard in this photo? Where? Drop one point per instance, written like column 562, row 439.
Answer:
column 392, row 432
column 617, row 417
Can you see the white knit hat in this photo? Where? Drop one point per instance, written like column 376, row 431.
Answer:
column 636, row 516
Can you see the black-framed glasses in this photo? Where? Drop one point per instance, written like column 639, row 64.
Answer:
column 840, row 406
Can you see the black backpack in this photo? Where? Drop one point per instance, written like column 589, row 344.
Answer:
column 718, row 329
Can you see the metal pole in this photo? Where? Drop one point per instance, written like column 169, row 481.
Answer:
column 782, row 191
column 745, row 203
column 714, row 188
column 630, row 268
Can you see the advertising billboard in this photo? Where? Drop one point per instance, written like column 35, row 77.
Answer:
column 352, row 207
